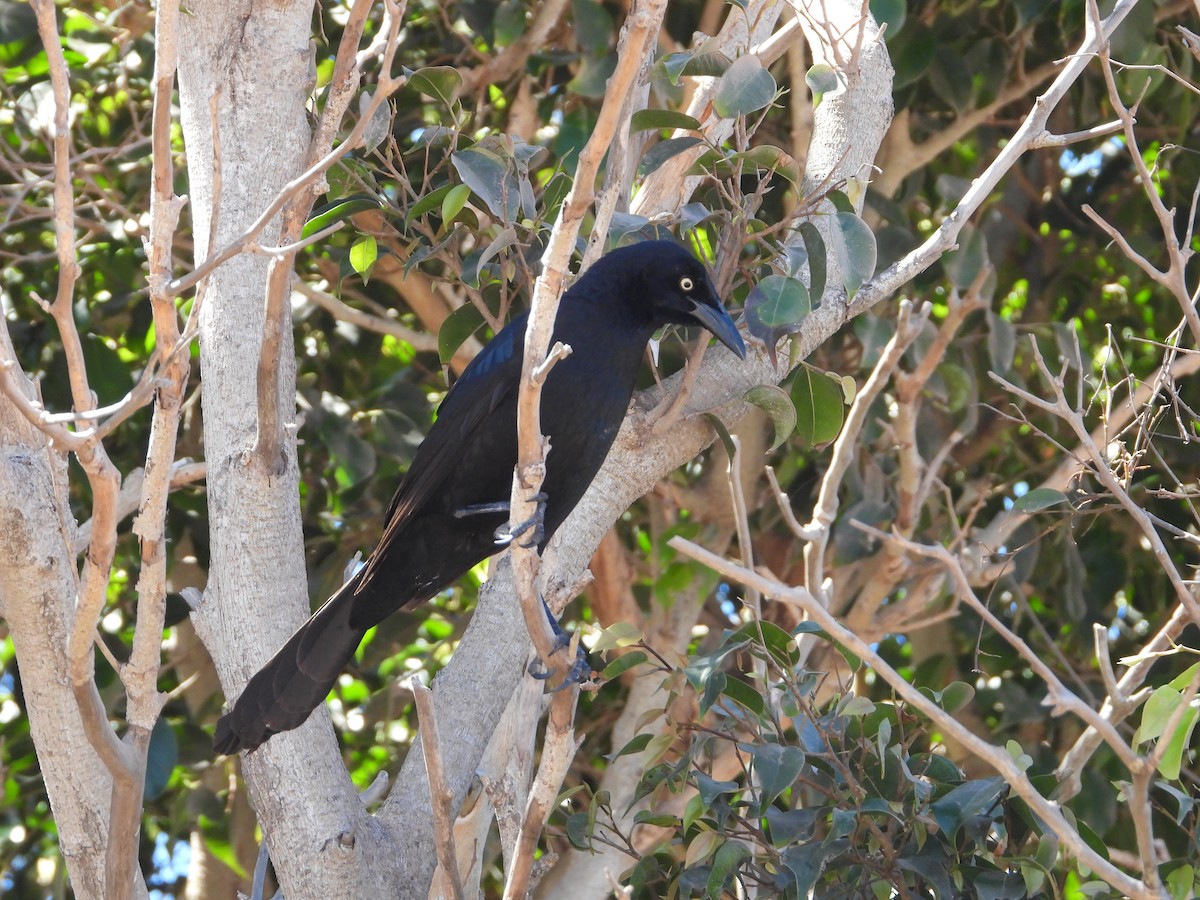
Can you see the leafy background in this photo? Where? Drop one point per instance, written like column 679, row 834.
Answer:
column 786, row 782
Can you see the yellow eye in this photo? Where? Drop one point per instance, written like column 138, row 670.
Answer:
column 686, row 284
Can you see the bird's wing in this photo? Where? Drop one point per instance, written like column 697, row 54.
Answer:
column 491, row 377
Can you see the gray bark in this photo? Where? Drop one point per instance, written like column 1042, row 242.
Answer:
column 257, row 56
column 37, row 599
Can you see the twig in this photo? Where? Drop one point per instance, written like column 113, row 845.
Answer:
column 439, row 791
column 1033, row 129
column 1099, row 466
column 558, row 750
column 1174, row 278
column 826, row 508
column 1118, row 705
column 342, row 311
column 124, row 761
column 643, row 21
column 268, row 450
column 1059, row 698
column 998, row 758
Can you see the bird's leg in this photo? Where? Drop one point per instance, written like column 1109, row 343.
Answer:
column 581, row 669
column 479, row 509
column 505, row 534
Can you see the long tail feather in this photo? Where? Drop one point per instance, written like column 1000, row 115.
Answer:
column 287, row 689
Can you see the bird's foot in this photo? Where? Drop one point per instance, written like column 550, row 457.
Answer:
column 581, row 669
column 536, row 523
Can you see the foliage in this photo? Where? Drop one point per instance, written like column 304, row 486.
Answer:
column 784, row 771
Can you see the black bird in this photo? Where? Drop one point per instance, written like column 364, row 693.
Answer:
column 446, row 512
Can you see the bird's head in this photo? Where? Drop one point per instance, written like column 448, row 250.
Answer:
column 682, row 292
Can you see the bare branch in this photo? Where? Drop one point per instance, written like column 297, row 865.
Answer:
column 996, row 757
column 443, row 814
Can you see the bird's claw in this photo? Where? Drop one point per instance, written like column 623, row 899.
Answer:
column 505, row 535
column 581, row 670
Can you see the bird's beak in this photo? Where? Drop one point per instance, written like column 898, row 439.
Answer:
column 716, row 320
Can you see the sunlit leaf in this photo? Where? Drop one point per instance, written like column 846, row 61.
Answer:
column 336, row 212
column 745, row 87
column 363, row 254
column 774, row 159
column 821, row 79
column 819, row 407
column 452, row 204
column 653, row 119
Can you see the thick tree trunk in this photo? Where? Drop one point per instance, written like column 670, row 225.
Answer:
column 255, row 58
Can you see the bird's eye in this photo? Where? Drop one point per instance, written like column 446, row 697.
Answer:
column 686, row 284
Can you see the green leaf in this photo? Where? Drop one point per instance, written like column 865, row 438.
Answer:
column 456, row 328
column 453, row 203
column 654, row 119
column 673, row 65
column 956, row 695
column 635, row 745
column 821, row 79
column 854, row 247
column 578, row 831
column 216, row 840
column 336, row 212
column 773, row 159
column 710, row 788
column 814, row 245
column 649, row 817
column 363, row 254
column 725, row 863
column 429, row 202
column 966, row 801
column 776, row 306
column 442, row 83
column 618, row 634
column 819, row 407
column 745, row 87
column 722, row 433
column 1156, row 717
column 744, row 695
column 593, row 25
column 623, row 664
column 840, row 201
column 509, row 22
column 1038, row 499
column 161, row 756
column 378, row 126
column 775, row 402
column 492, row 180
column 777, row 767
column 1001, row 342
column 890, row 12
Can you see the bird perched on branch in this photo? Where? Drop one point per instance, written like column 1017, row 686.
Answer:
column 445, row 515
